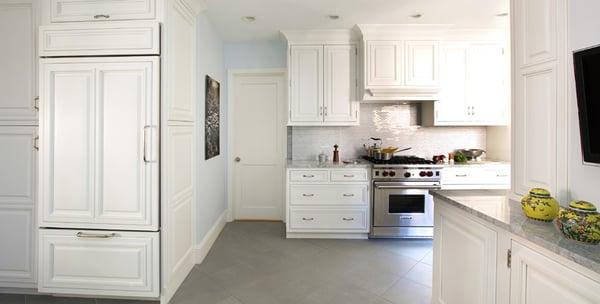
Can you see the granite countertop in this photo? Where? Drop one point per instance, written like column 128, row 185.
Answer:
column 311, row 164
column 479, row 163
column 509, row 216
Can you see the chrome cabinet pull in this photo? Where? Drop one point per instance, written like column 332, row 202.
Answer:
column 325, row 111
column 308, row 195
column 321, row 111
column 461, row 175
column 308, row 175
column 348, row 175
column 36, row 103
column 147, row 140
column 348, row 195
column 36, row 145
column 103, row 16
column 501, row 175
column 96, row 236
column 308, row 218
column 348, row 218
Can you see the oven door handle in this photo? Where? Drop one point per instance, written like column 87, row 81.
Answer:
column 427, row 187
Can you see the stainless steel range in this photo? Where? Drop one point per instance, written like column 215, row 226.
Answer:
column 402, row 206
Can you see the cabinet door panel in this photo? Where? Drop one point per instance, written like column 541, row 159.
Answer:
column 421, row 63
column 463, row 249
column 384, row 63
column 17, row 62
column 486, row 91
column 536, row 278
column 17, row 236
column 67, row 142
column 452, row 106
column 536, row 31
column 126, row 180
column 93, row 10
column 340, row 83
column 18, row 161
column 306, row 94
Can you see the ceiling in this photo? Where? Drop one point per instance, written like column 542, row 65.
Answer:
column 274, row 15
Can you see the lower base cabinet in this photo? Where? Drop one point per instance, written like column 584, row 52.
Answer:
column 99, row 263
column 537, row 279
column 471, row 265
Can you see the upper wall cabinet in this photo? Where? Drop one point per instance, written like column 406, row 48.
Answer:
column 323, row 81
column 401, row 70
column 474, row 86
column 94, row 10
column 18, row 103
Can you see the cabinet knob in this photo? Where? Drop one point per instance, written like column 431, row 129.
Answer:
column 237, row 159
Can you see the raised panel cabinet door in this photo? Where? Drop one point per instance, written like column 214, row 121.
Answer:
column 94, row 10
column 385, row 63
column 451, row 108
column 17, row 61
column 536, row 31
column 67, row 142
column 464, row 265
column 18, row 160
column 306, row 80
column 126, row 173
column 340, row 83
column 538, row 279
column 487, row 91
column 422, row 64
column 18, row 239
column 535, row 115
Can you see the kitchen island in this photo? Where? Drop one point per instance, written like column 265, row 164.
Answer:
column 487, row 251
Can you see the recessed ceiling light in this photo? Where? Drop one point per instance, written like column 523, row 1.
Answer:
column 416, row 16
column 502, row 15
column 249, row 18
column 333, row 17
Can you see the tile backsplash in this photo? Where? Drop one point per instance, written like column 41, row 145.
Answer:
column 396, row 125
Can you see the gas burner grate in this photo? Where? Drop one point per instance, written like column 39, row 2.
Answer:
column 400, row 160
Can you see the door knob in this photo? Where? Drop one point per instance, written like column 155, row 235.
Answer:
column 237, row 159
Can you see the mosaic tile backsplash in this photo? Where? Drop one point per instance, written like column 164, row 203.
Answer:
column 396, row 125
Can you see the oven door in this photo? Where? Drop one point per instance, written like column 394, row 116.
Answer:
column 402, row 204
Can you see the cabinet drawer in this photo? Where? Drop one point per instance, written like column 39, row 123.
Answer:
column 329, row 219
column 120, row 38
column 106, row 263
column 349, row 175
column 481, row 175
column 309, row 175
column 347, row 195
column 94, row 10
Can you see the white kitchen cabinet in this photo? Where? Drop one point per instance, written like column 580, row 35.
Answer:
column 18, row 160
column 18, row 59
column 538, row 279
column 474, row 89
column 465, row 257
column 109, row 263
column 105, row 10
column 539, row 112
column 401, row 70
column 476, row 176
column 340, row 84
column 306, row 84
column 384, row 63
column 323, row 85
column 99, row 144
column 327, row 203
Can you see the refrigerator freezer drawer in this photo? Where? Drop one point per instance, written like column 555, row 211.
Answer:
column 103, row 263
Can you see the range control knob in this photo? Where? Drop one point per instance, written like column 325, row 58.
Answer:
column 430, row 173
column 392, row 173
column 407, row 174
column 422, row 174
column 385, row 173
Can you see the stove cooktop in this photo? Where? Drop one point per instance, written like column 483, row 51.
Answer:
column 400, row 160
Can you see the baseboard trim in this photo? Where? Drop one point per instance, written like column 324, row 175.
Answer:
column 309, row 235
column 209, row 239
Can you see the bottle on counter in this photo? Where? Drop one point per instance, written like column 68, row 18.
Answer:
column 322, row 157
column 336, row 154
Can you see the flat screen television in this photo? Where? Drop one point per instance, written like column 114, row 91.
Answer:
column 587, row 81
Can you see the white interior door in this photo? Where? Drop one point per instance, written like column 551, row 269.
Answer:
column 258, row 101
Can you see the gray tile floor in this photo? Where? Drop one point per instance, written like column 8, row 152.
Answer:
column 252, row 262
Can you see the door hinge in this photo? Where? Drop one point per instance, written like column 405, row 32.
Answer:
column 36, row 103
column 508, row 258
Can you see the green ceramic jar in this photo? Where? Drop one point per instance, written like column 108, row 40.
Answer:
column 580, row 222
column 539, row 205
